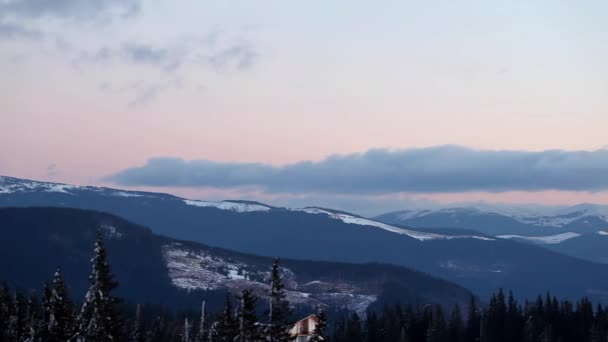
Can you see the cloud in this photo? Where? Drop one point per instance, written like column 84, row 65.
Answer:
column 141, row 92
column 15, row 31
column 240, row 56
column 379, row 171
column 69, row 9
column 21, row 19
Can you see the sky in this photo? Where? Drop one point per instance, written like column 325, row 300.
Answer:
column 354, row 105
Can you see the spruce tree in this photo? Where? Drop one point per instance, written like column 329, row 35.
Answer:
column 186, row 331
column 319, row 333
column 279, row 311
column 34, row 319
column 456, row 325
column 58, row 310
column 17, row 328
column 200, row 335
column 5, row 311
column 354, row 331
column 138, row 331
column 98, row 320
column 437, row 329
column 473, row 321
column 247, row 318
column 227, row 325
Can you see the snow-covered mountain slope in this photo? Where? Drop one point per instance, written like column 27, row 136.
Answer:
column 15, row 188
column 199, row 269
column 418, row 235
column 240, row 207
column 578, row 230
column 159, row 270
column 467, row 258
column 551, row 239
column 506, row 220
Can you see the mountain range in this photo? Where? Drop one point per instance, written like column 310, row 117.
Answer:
column 161, row 271
column 476, row 260
column 580, row 230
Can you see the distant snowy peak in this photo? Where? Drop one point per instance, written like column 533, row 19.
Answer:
column 546, row 217
column 551, row 239
column 351, row 219
column 241, row 207
column 10, row 185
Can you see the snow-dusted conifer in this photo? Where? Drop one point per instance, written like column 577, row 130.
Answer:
column 186, row 331
column 18, row 320
column 279, row 311
column 5, row 311
column 227, row 327
column 200, row 335
column 98, row 320
column 138, row 331
column 319, row 333
column 247, row 319
column 58, row 311
column 33, row 320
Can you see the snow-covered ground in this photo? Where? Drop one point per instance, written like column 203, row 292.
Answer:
column 198, row 270
column 543, row 216
column 421, row 236
column 551, row 239
column 241, row 207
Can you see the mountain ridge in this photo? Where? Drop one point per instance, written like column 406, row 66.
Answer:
column 477, row 261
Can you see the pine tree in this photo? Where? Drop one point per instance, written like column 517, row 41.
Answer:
column 456, row 325
column 98, row 320
column 18, row 319
column 58, row 310
column 227, row 327
column 138, row 331
column 473, row 321
column 279, row 311
column 372, row 327
column 319, row 333
column 247, row 318
column 354, row 331
column 186, row 331
column 33, row 321
column 200, row 335
column 5, row 311
column 437, row 328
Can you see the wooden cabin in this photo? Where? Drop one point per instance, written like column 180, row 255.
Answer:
column 302, row 330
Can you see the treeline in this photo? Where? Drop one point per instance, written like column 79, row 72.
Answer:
column 503, row 320
column 102, row 317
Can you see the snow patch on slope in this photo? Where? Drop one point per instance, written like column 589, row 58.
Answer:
column 551, row 239
column 240, row 207
column 534, row 215
column 126, row 194
column 191, row 269
column 421, row 236
column 111, row 231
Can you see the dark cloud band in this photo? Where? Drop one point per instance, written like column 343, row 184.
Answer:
column 378, row 171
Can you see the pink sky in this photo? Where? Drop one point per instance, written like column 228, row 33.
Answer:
column 478, row 75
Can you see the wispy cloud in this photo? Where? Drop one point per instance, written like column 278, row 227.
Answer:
column 379, row 171
column 68, row 9
column 16, row 31
column 219, row 56
column 141, row 92
column 156, row 63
